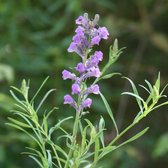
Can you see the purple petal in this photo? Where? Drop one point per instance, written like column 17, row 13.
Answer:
column 87, row 103
column 77, row 39
column 76, row 89
column 95, row 40
column 99, row 55
column 68, row 75
column 80, row 30
column 94, row 89
column 72, row 47
column 93, row 72
column 80, row 67
column 103, row 32
column 68, row 99
column 80, row 20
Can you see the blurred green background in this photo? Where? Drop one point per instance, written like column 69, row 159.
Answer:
column 34, row 36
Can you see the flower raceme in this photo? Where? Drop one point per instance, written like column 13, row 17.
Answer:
column 88, row 34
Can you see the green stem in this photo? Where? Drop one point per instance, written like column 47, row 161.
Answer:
column 75, row 130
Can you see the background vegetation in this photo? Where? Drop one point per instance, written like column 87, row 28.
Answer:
column 34, row 36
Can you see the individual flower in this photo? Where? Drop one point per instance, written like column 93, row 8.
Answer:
column 99, row 55
column 72, row 47
column 80, row 67
column 94, row 59
column 86, row 103
column 82, row 20
column 93, row 72
column 103, row 32
column 95, row 40
column 80, row 30
column 93, row 89
column 76, row 89
column 68, row 75
column 68, row 99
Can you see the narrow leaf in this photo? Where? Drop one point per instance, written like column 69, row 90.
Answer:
column 109, row 111
column 138, row 135
column 39, row 89
column 36, row 160
column 44, row 98
column 110, row 75
column 19, row 123
column 136, row 93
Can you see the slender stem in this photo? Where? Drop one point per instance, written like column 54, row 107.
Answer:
column 75, row 130
column 122, row 133
column 57, row 157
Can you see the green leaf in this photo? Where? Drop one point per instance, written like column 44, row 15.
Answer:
column 108, row 149
column 84, row 140
column 101, row 127
column 109, row 111
column 52, row 129
column 39, row 89
column 36, row 160
column 138, row 135
column 49, row 159
column 93, row 130
column 149, row 85
column 97, row 147
column 114, row 52
column 19, row 123
column 45, row 124
column 157, row 83
column 24, row 89
column 163, row 89
column 110, row 75
column 138, row 98
column 21, row 129
column 44, row 98
column 16, row 98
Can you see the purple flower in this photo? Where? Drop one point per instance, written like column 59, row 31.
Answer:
column 94, row 59
column 99, row 55
column 103, row 32
column 80, row 30
column 76, row 89
column 93, row 72
column 86, row 103
column 81, row 20
column 72, row 47
column 68, row 75
column 80, row 67
column 76, row 39
column 93, row 89
column 87, row 34
column 68, row 99
column 95, row 40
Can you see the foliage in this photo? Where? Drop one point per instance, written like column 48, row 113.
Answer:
column 91, row 148
column 33, row 43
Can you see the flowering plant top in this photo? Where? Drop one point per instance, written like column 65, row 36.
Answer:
column 88, row 34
